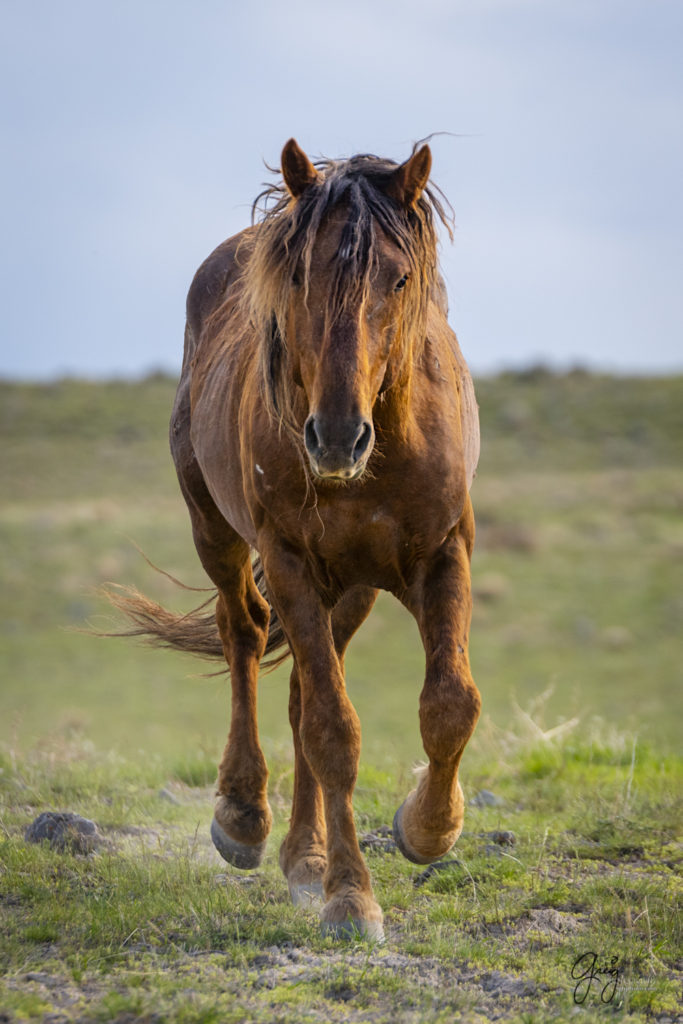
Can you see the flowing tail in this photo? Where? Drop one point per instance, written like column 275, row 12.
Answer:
column 194, row 632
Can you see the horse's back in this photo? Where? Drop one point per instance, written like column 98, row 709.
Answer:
column 205, row 296
column 210, row 284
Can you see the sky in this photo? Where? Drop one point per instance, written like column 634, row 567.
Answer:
column 135, row 134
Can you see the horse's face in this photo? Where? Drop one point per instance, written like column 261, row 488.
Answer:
column 341, row 356
column 341, row 362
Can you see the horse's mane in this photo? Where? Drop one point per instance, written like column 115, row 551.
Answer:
column 283, row 242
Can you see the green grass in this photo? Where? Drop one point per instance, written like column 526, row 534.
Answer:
column 154, row 922
column 576, row 650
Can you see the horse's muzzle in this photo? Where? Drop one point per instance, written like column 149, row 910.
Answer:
column 339, row 451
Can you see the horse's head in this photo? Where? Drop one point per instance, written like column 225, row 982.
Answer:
column 354, row 248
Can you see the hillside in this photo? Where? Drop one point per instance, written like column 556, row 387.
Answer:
column 578, row 501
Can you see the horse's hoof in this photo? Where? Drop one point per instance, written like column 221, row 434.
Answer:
column 354, row 928
column 404, row 846
column 307, row 895
column 304, row 872
column 352, row 916
column 238, row 854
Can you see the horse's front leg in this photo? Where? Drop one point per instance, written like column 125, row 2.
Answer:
column 303, row 854
column 329, row 732
column 430, row 819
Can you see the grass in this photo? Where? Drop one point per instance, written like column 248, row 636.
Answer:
column 154, row 926
column 576, row 649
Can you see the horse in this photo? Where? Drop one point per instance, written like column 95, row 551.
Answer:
column 325, row 435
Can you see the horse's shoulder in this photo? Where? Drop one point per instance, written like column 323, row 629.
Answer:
column 213, row 277
column 469, row 421
column 442, row 339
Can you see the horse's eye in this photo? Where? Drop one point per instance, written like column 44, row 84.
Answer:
column 401, row 284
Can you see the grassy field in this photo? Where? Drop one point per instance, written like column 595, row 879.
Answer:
column 575, row 647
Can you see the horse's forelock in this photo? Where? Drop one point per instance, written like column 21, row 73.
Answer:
column 283, row 248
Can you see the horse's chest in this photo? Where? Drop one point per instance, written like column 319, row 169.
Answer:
column 375, row 534
column 374, row 546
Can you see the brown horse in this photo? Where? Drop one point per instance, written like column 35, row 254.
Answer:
column 326, row 420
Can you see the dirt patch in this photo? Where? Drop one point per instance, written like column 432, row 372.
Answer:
column 535, row 928
column 338, row 974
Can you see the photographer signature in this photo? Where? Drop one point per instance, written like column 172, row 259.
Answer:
column 586, row 971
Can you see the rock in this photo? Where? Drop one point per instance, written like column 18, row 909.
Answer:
column 168, row 796
column 240, row 880
column 64, row 831
column 551, row 921
column 490, row 587
column 616, row 637
column 437, row 866
column 485, row 798
column 380, row 840
column 505, row 984
column 42, row 978
column 502, row 837
column 498, row 839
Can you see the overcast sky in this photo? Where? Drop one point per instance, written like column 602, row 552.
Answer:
column 135, row 132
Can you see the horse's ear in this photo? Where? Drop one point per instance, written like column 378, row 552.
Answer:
column 297, row 169
column 408, row 180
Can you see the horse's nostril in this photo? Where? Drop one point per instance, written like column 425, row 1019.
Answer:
column 311, row 439
column 362, row 441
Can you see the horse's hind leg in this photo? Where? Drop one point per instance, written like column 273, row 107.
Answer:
column 303, row 854
column 242, row 816
column 430, row 819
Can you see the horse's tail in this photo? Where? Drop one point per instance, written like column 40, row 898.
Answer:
column 277, row 641
column 194, row 632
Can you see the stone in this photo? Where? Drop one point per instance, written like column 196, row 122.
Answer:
column 64, row 831
column 168, row 796
column 439, row 865
column 485, row 798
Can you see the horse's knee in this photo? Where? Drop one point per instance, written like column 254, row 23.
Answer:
column 449, row 711
column 259, row 610
column 294, row 707
column 330, row 738
column 243, row 627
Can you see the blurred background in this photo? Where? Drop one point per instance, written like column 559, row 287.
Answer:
column 136, row 137
column 136, row 134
